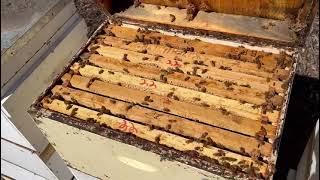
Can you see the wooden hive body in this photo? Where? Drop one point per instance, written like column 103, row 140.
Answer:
column 209, row 90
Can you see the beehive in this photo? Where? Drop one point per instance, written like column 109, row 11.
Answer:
column 156, row 75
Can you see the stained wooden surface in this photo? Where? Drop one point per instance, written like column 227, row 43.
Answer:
column 190, row 57
column 278, row 9
column 135, row 81
column 184, row 94
column 230, row 140
column 205, row 115
column 233, row 24
column 154, row 135
column 214, row 87
column 269, row 60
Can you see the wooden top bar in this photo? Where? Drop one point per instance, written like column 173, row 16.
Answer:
column 214, row 22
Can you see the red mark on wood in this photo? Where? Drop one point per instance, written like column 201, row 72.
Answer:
column 144, row 82
column 123, row 126
column 152, row 85
column 132, row 129
column 173, row 63
column 148, row 83
column 176, row 64
column 127, row 128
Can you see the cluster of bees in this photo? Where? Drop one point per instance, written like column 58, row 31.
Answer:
column 273, row 100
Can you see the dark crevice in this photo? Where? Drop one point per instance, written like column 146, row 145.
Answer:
column 302, row 115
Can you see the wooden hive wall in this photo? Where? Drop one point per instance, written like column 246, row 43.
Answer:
column 181, row 93
column 276, row 9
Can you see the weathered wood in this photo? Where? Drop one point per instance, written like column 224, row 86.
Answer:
column 175, row 124
column 279, row 9
column 217, row 73
column 191, row 57
column 158, row 136
column 214, row 22
column 213, row 117
column 163, row 89
column 214, row 87
column 268, row 60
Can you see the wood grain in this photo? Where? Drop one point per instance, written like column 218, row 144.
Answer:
column 261, row 8
column 213, row 87
column 183, row 94
column 190, row 57
column 161, row 137
column 216, row 73
column 196, row 112
column 175, row 124
column 213, row 22
column 268, row 60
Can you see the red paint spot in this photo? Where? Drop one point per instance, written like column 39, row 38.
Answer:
column 123, row 126
column 152, row 85
column 132, row 129
column 148, row 83
column 127, row 128
column 176, row 64
column 173, row 63
column 143, row 83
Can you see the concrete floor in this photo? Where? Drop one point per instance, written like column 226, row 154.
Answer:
column 309, row 67
column 17, row 16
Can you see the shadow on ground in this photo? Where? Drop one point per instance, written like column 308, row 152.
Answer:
column 303, row 112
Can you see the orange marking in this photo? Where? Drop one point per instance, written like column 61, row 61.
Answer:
column 149, row 84
column 177, row 64
column 152, row 85
column 144, row 82
column 132, row 129
column 173, row 63
column 123, row 126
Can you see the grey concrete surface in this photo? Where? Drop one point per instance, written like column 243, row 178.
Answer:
column 17, row 16
column 309, row 66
